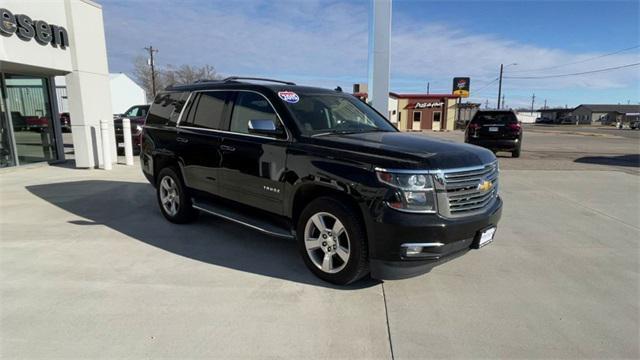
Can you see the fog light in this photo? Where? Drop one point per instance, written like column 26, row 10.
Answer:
column 413, row 250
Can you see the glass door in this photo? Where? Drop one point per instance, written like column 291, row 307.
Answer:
column 6, row 147
column 29, row 104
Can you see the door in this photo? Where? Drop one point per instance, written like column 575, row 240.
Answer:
column 253, row 166
column 417, row 120
column 199, row 138
column 436, row 120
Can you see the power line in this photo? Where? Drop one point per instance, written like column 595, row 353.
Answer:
column 486, row 86
column 579, row 61
column 572, row 74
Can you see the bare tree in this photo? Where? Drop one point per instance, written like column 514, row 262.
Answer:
column 170, row 74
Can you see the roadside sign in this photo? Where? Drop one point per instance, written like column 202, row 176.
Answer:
column 461, row 86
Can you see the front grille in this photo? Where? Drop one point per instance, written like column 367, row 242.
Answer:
column 463, row 194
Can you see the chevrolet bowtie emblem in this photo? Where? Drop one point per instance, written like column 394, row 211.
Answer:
column 486, row 185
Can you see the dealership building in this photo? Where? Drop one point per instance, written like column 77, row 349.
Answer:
column 40, row 40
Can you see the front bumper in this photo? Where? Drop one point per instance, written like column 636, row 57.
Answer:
column 391, row 229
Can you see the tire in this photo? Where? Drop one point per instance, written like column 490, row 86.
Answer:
column 335, row 270
column 516, row 153
column 169, row 188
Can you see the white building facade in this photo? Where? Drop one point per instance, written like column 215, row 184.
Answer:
column 38, row 41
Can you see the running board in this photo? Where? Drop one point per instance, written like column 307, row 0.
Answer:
column 253, row 222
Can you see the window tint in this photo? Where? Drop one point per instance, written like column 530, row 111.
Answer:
column 494, row 118
column 206, row 112
column 251, row 106
column 165, row 108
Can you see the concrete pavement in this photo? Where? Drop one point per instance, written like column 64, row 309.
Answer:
column 90, row 269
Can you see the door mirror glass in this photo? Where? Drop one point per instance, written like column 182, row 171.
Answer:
column 263, row 127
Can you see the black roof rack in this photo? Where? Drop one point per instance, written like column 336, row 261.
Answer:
column 236, row 78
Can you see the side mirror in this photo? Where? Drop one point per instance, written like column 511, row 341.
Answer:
column 264, row 127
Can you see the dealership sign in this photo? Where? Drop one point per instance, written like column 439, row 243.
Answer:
column 26, row 29
column 426, row 105
column 461, row 86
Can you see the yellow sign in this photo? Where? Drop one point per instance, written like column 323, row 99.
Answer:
column 461, row 93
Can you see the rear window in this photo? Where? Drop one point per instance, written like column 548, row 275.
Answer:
column 494, row 118
column 166, row 108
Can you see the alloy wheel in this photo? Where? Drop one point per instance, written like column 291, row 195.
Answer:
column 169, row 196
column 327, row 242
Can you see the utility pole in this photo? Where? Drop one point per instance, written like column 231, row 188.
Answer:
column 545, row 104
column 503, row 104
column 533, row 100
column 151, row 50
column 486, row 104
column 500, row 86
column 428, row 85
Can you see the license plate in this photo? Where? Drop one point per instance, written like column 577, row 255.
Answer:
column 493, row 129
column 486, row 236
column 120, row 144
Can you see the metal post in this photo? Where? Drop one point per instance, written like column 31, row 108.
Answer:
column 500, row 85
column 106, row 144
column 128, row 146
column 379, row 42
column 533, row 100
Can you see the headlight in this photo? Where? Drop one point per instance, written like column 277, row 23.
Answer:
column 415, row 192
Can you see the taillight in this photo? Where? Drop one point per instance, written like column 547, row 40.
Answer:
column 474, row 126
column 514, row 126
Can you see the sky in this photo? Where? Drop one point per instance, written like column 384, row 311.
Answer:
column 325, row 43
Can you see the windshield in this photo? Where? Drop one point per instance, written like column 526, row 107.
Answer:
column 137, row 111
column 504, row 118
column 324, row 114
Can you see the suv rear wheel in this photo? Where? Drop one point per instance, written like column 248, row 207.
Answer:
column 332, row 241
column 516, row 153
column 174, row 202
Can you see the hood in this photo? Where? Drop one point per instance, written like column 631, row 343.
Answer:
column 411, row 149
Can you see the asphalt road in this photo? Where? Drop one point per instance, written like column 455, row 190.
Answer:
column 90, row 269
column 569, row 148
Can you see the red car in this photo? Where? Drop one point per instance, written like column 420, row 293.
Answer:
column 137, row 114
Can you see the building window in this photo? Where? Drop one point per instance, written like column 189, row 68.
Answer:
column 436, row 116
column 417, row 116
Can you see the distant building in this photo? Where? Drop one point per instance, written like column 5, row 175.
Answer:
column 124, row 93
column 417, row 112
column 603, row 114
column 555, row 114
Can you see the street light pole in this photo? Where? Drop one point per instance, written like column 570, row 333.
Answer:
column 500, row 85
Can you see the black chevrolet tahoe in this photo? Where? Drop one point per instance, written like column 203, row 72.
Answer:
column 323, row 167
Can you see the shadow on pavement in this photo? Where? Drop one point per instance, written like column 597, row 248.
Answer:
column 131, row 209
column 631, row 160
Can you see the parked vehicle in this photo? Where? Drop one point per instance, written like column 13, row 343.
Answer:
column 137, row 115
column 497, row 130
column 323, row 167
column 65, row 122
column 544, row 121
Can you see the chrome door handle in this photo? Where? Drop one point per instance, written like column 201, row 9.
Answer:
column 182, row 140
column 227, row 148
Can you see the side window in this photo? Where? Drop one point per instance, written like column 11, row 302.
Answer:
column 207, row 111
column 250, row 106
column 166, row 108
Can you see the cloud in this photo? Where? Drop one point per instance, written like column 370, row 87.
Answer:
column 325, row 43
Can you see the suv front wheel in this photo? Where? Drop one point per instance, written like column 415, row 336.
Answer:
column 174, row 202
column 332, row 241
